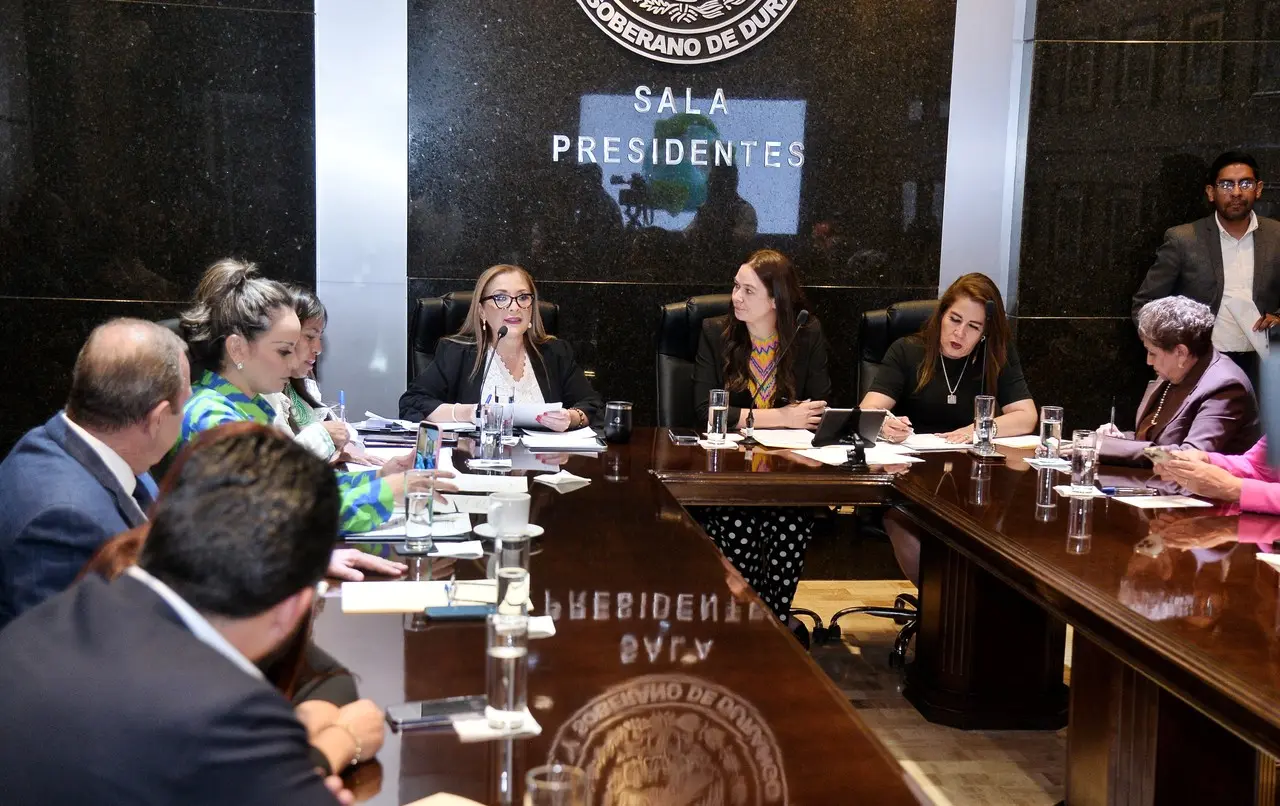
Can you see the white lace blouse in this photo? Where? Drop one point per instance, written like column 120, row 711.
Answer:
column 526, row 389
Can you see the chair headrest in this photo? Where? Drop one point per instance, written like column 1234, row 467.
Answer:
column 438, row 317
column 883, row 327
column 680, row 323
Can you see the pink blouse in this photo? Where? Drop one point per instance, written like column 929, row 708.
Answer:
column 1260, row 491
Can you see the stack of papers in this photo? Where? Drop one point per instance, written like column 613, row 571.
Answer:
column 933, row 442
column 582, row 439
column 408, row 596
column 563, row 482
column 1160, row 501
column 838, row 454
column 793, row 438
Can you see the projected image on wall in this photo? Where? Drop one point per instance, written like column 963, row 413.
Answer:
column 664, row 164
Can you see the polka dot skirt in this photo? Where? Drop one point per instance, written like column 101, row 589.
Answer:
column 765, row 544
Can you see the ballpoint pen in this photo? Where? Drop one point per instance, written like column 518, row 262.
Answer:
column 1129, row 491
column 342, row 405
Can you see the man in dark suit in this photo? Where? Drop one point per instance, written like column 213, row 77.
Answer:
column 1228, row 259
column 80, row 478
column 145, row 690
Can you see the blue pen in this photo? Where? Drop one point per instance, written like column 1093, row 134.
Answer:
column 1129, row 491
column 342, row 405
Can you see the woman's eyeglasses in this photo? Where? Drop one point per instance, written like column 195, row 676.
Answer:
column 504, row 301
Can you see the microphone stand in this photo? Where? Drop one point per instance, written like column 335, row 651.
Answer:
column 488, row 360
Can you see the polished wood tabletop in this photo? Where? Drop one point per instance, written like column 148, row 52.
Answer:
column 668, row 679
column 1177, row 593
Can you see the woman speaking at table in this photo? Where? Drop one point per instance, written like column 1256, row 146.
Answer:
column 242, row 331
column 503, row 344
column 772, row 359
column 929, row 380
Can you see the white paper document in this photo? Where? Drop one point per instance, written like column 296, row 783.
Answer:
column 1065, row 489
column 457, row 426
column 838, row 455
column 373, row 422
column 408, row 596
column 1244, row 313
column 1023, row 443
column 443, row 525
column 581, row 439
column 563, row 482
column 793, row 438
column 463, row 550
column 933, row 442
column 472, row 504
column 1160, row 501
column 471, row 483
column 527, row 414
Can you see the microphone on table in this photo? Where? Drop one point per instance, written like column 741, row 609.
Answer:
column 502, row 333
column 802, row 319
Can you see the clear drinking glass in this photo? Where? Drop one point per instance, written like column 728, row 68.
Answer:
column 513, row 590
column 507, row 665
column 555, row 785
column 505, row 397
column 984, row 423
column 1079, row 525
column 419, row 510
column 718, row 417
column 491, row 415
column 1050, row 432
column 1084, row 457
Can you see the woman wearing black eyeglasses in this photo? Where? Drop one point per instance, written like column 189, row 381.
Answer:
column 540, row 368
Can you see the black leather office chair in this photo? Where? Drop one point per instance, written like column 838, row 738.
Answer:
column 679, row 329
column 881, row 328
column 173, row 325
column 436, row 317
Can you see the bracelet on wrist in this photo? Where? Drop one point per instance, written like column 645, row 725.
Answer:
column 354, row 738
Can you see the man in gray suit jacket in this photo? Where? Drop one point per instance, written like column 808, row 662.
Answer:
column 145, row 690
column 1231, row 254
column 81, row 478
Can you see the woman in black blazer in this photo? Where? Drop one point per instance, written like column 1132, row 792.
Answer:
column 538, row 367
column 738, row 353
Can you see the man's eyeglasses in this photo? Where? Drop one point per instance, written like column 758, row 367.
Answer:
column 504, row 301
column 1227, row 185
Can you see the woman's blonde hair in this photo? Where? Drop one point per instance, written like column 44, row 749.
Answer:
column 474, row 327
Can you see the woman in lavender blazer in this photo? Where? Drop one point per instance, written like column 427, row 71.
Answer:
column 1200, row 399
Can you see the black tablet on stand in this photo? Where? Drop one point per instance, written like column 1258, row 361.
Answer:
column 855, row 428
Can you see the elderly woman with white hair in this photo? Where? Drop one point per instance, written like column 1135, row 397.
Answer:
column 1200, row 399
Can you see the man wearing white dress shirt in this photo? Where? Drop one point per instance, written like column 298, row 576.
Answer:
column 1229, row 260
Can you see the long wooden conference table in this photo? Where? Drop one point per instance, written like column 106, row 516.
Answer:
column 669, row 682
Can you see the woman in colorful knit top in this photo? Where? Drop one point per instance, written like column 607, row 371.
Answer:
column 242, row 330
column 737, row 353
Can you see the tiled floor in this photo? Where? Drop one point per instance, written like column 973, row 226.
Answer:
column 964, row 768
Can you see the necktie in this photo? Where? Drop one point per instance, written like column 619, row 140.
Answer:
column 143, row 492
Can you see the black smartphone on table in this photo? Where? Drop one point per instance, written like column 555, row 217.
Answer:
column 429, row 713
column 683, row 436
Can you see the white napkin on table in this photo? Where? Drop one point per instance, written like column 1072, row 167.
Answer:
column 475, row 728
column 562, row 481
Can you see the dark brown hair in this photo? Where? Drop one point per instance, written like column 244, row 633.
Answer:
column 778, row 276
column 231, row 299
column 979, row 288
column 307, row 306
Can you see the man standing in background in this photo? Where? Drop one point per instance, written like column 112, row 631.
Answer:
column 1229, row 260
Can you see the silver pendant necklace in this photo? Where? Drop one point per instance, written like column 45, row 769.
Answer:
column 951, row 390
